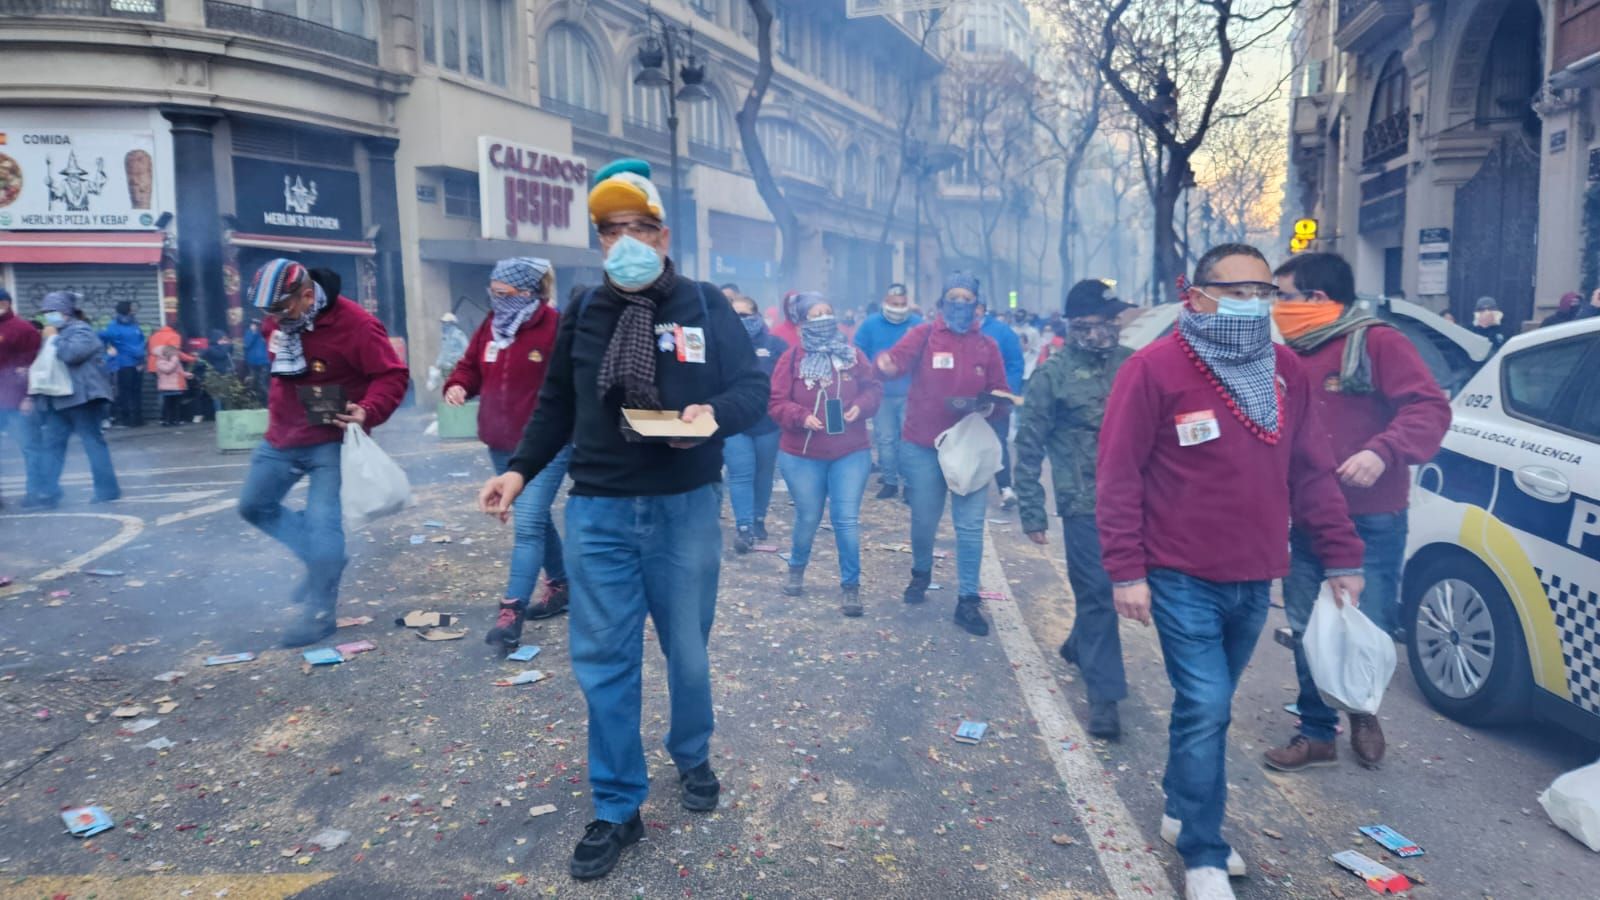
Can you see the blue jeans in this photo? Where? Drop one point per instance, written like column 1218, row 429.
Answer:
column 886, row 426
column 83, row 420
column 1095, row 639
column 23, row 430
column 1207, row 630
column 926, row 490
column 840, row 483
column 1385, row 537
column 750, row 460
column 536, row 539
column 629, row 556
column 315, row 534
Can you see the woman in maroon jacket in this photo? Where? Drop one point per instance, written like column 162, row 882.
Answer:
column 947, row 358
column 505, row 366
column 823, row 393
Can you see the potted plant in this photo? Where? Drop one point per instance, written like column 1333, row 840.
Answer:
column 242, row 418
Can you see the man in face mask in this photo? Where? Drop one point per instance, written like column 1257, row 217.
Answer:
column 1212, row 443
column 642, row 533
column 880, row 331
column 1060, row 416
column 1385, row 413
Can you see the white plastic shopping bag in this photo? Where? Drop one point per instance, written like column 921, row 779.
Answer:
column 372, row 484
column 48, row 375
column 1351, row 659
column 969, row 454
column 1572, row 801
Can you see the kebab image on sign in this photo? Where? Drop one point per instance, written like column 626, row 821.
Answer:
column 74, row 188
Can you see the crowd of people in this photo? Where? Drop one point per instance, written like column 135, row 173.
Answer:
column 1188, row 475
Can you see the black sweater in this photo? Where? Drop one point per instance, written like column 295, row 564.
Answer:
column 571, row 410
column 768, row 348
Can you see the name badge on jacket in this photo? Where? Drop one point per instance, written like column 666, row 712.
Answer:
column 944, row 360
column 490, row 352
column 691, row 344
column 1197, row 428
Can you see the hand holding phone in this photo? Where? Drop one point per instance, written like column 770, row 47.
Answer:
column 833, row 410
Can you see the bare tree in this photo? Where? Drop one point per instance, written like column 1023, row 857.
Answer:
column 1069, row 111
column 1242, row 170
column 789, row 226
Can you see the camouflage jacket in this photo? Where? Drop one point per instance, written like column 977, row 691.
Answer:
column 1060, row 415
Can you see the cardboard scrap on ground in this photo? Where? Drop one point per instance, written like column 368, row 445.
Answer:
column 140, row 725
column 542, row 810
column 1378, row 876
column 765, row 548
column 527, row 676
column 1392, row 841
column 420, row 618
column 161, row 743
column 352, row 621
column 170, row 677
column 229, row 659
column 128, row 712
column 441, row 634
column 330, row 838
column 86, row 821
column 355, row 647
column 165, row 706
column 104, row 573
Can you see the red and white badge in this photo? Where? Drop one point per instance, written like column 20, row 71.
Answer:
column 491, row 352
column 1197, row 427
column 944, row 360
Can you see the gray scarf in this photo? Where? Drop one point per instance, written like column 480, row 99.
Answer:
column 1355, row 365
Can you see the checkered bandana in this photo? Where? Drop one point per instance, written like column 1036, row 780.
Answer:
column 525, row 273
column 1239, row 352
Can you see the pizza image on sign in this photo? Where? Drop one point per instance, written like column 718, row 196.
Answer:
column 10, row 180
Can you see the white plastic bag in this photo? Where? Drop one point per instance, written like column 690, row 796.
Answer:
column 969, row 454
column 1572, row 802
column 372, row 484
column 48, row 375
column 1351, row 659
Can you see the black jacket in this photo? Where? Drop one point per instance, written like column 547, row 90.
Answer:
column 768, row 348
column 571, row 410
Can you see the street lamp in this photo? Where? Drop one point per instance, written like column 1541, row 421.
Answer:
column 658, row 67
column 923, row 162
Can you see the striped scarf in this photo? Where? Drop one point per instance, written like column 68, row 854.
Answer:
column 1238, row 350
column 288, row 353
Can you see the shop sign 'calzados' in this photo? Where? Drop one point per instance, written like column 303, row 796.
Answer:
column 532, row 195
column 67, row 179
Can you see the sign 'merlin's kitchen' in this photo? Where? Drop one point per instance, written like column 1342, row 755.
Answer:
column 530, row 194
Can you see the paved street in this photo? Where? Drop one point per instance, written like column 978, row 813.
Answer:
column 840, row 777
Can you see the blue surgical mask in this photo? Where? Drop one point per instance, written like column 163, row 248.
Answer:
column 633, row 265
column 55, row 319
column 1243, row 309
column 958, row 316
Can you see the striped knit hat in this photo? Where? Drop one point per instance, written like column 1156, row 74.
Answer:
column 274, row 280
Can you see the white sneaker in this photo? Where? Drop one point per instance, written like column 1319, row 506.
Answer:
column 1008, row 498
column 1208, row 883
column 1170, row 829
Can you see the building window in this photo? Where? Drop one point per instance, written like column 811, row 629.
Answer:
column 647, row 107
column 466, row 36
column 881, row 187
column 855, row 174
column 345, row 15
column 709, row 9
column 796, row 152
column 461, row 195
column 1511, row 71
column 708, row 123
column 1388, row 131
column 569, row 79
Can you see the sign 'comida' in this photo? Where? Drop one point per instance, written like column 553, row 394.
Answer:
column 531, row 194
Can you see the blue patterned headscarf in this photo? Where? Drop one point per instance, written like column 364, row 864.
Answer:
column 525, row 273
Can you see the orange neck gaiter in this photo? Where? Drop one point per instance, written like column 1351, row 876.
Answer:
column 1297, row 317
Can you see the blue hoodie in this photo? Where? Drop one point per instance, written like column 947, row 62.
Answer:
column 1010, row 349
column 877, row 334
column 125, row 336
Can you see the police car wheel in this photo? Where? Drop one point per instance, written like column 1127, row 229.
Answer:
column 1464, row 642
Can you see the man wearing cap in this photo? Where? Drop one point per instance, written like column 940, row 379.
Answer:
column 882, row 330
column 1060, row 416
column 642, row 531
column 1489, row 321
column 19, row 344
column 315, row 339
column 452, row 346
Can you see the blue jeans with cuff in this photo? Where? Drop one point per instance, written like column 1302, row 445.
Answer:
column 1208, row 631
column 1384, row 535
column 926, row 490
column 1094, row 637
column 58, row 425
column 751, row 460
column 629, row 557
column 536, row 540
column 839, row 483
column 887, row 424
column 315, row 534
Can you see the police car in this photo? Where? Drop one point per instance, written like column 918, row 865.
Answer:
column 1501, row 589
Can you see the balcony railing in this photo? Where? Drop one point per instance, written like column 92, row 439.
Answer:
column 583, row 118
column 1386, row 139
column 262, row 23
column 153, row 10
column 1363, row 23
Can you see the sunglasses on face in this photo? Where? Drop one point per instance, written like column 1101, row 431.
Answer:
column 1238, row 290
column 639, row 229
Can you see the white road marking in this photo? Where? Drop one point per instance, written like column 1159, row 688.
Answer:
column 177, row 497
column 132, row 526
column 1120, row 846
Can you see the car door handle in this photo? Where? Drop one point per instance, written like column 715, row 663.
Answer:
column 1544, row 483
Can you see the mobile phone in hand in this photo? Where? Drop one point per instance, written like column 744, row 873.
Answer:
column 834, row 415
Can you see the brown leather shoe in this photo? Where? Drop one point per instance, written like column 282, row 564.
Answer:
column 1366, row 739
column 1303, row 753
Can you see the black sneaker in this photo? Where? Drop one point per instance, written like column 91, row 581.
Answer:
column 917, row 590
column 743, row 541
column 507, row 631
column 850, row 601
column 1069, row 651
column 311, row 627
column 553, row 603
column 889, row 492
column 597, row 854
column 969, row 617
column 700, row 788
column 759, row 529
column 1104, row 722
column 796, row 585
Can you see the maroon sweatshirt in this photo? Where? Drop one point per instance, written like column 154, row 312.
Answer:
column 19, row 344
column 791, row 401
column 349, row 347
column 1403, row 420
column 944, row 364
column 1220, row 509
column 507, row 379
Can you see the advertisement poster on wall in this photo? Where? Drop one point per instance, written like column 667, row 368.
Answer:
column 64, row 179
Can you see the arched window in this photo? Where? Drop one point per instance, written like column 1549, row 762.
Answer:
column 855, row 173
column 795, row 151
column 1511, row 71
column 647, row 107
column 569, row 75
column 708, row 123
column 1391, row 95
column 882, row 185
column 1388, row 133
